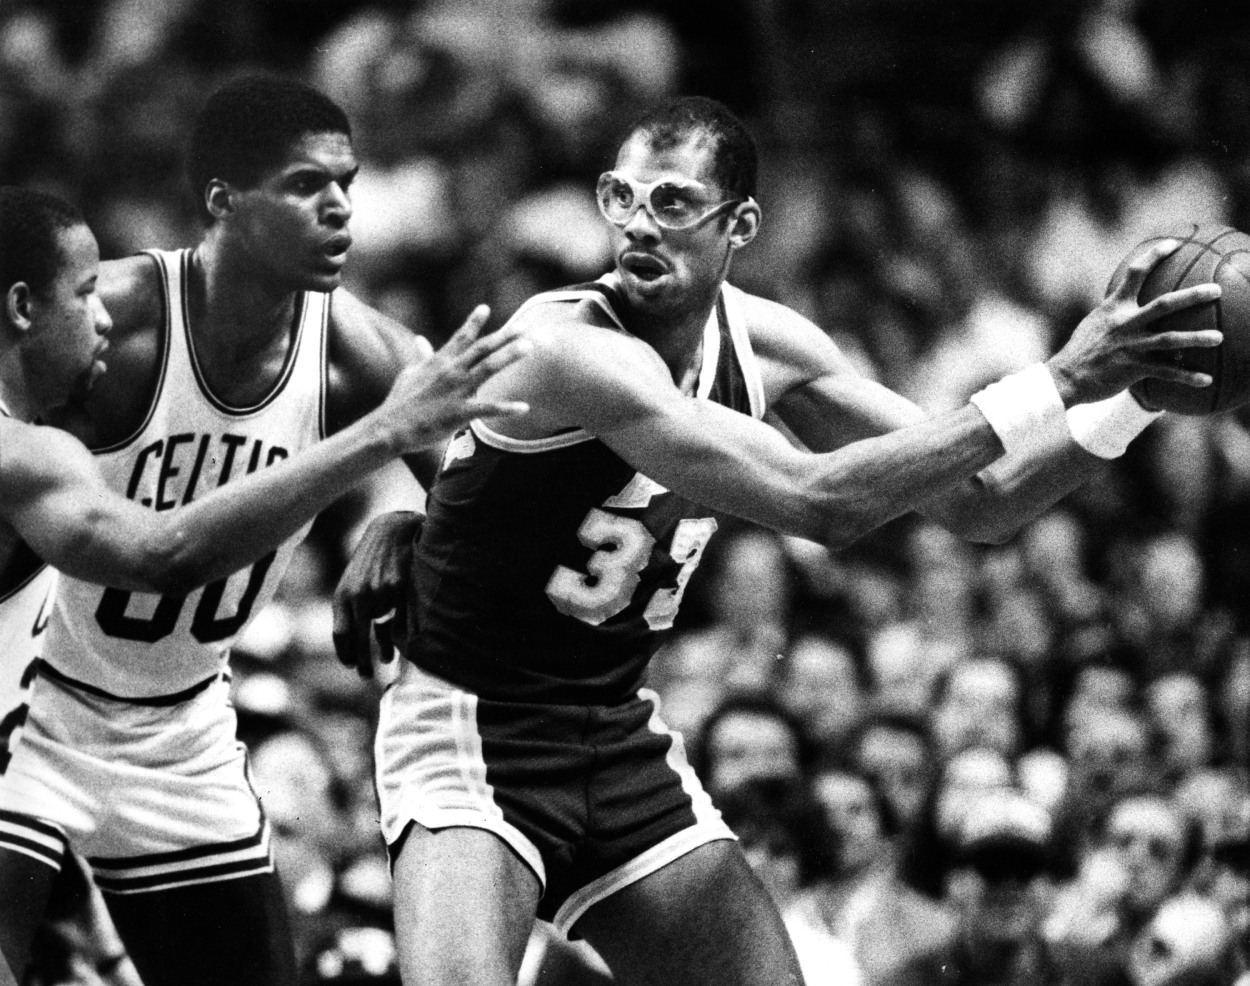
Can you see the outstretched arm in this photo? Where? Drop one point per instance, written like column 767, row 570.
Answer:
column 52, row 493
column 833, row 404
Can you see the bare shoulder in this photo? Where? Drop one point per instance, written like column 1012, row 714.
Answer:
column 582, row 370
column 792, row 350
column 366, row 351
column 132, row 292
column 33, row 456
column 580, row 337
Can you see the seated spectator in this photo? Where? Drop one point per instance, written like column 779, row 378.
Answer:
column 1180, row 712
column 977, row 703
column 821, row 684
column 895, row 752
column 789, row 845
column 749, row 737
column 1146, row 852
column 895, row 934
column 998, row 887
column 1188, row 942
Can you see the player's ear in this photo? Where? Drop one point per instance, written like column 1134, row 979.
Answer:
column 744, row 223
column 17, row 306
column 218, row 198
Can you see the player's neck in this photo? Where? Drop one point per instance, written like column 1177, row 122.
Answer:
column 233, row 313
column 14, row 394
column 676, row 335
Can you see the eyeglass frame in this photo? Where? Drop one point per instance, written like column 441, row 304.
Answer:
column 642, row 195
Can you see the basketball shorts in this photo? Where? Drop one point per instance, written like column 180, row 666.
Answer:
column 591, row 798
column 155, row 794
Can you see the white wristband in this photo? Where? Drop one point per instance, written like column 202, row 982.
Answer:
column 1106, row 427
column 1025, row 411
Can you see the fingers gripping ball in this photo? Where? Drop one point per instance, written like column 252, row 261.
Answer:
column 1208, row 254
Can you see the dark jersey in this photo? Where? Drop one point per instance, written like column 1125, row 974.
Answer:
column 549, row 569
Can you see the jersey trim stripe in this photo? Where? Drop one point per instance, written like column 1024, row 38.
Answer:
column 167, row 340
column 288, row 367
column 183, row 867
column 600, row 292
column 25, row 582
column 525, row 445
column 31, row 837
column 323, row 398
column 730, row 300
column 46, row 670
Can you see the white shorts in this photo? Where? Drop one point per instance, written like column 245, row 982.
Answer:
column 591, row 798
column 154, row 796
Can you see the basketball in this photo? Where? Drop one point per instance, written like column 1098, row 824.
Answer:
column 1208, row 254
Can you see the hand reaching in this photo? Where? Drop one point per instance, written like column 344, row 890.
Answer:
column 1114, row 346
column 431, row 400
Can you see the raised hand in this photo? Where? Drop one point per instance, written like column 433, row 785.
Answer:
column 431, row 400
column 1116, row 345
column 370, row 601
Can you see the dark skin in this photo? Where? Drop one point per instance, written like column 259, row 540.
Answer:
column 266, row 244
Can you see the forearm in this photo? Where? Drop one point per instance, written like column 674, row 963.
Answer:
column 243, row 520
column 741, row 468
column 991, row 507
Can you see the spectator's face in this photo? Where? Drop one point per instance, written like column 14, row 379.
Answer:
column 1183, row 943
column 899, row 761
column 979, row 709
column 903, row 679
column 292, row 227
column 968, row 774
column 1178, row 707
column 1107, row 751
column 822, row 688
column 1149, row 836
column 1172, row 580
column 852, row 812
column 747, row 745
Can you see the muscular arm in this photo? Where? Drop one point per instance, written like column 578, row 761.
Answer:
column 832, row 405
column 53, row 495
column 617, row 388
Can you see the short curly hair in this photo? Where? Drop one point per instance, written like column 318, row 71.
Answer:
column 31, row 224
column 248, row 126
column 735, row 159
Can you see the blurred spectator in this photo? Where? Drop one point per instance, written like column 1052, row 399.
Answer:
column 1187, row 943
column 977, row 703
column 788, row 843
column 999, row 888
column 749, row 737
column 896, row 754
column 895, row 934
column 820, row 682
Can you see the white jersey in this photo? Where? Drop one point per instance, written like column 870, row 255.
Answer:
column 141, row 645
column 24, row 611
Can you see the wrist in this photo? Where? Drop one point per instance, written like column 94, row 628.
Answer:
column 1105, row 428
column 1065, row 385
column 1025, row 410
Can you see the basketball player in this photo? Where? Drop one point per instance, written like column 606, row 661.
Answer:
column 224, row 360
column 521, row 770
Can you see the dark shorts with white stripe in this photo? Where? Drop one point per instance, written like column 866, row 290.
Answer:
column 592, row 798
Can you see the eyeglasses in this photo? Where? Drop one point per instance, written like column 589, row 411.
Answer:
column 673, row 204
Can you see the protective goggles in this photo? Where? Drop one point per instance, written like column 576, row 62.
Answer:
column 673, row 204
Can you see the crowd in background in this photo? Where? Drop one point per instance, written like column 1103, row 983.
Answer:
column 993, row 765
